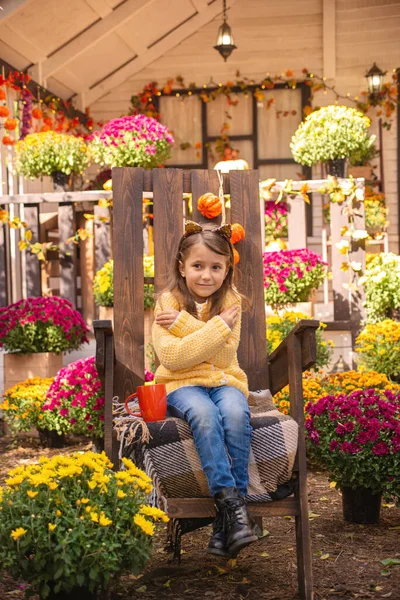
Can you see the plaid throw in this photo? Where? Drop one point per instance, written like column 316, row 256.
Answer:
column 171, row 460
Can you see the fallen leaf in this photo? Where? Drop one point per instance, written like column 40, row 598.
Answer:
column 385, row 573
column 324, row 556
column 265, row 555
column 386, row 595
column 232, row 563
column 167, row 584
column 142, row 588
column 332, row 484
column 387, row 562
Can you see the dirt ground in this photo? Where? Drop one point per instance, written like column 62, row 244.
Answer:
column 346, row 558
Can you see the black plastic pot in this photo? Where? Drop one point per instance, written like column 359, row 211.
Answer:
column 77, row 593
column 60, row 181
column 51, row 439
column 337, row 168
column 361, row 505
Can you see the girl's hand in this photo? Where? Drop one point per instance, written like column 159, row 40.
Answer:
column 165, row 318
column 230, row 315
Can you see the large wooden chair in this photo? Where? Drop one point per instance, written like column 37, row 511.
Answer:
column 120, row 353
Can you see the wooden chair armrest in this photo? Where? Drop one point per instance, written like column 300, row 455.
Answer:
column 278, row 361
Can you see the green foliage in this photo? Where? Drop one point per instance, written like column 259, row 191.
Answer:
column 330, row 133
column 356, row 438
column 71, row 521
column 46, row 152
column 382, row 286
column 103, row 285
column 378, row 347
column 278, row 327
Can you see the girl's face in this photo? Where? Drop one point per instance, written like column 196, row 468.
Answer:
column 204, row 271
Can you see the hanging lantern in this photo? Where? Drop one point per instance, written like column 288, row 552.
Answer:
column 375, row 81
column 225, row 44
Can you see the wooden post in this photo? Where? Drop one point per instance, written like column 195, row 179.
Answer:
column 128, row 281
column 304, row 562
column 245, row 209
column 357, row 249
column 102, row 237
column 87, row 271
column 67, row 228
column 341, row 298
column 32, row 264
column 297, row 225
column 3, row 267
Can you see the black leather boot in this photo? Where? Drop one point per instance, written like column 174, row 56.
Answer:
column 217, row 543
column 238, row 526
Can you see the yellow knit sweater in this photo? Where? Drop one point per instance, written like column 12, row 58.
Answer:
column 195, row 352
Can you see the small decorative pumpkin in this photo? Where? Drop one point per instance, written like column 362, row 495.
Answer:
column 107, row 185
column 238, row 233
column 10, row 124
column 3, row 95
column 8, row 140
column 45, row 128
column 37, row 113
column 209, row 205
column 4, row 112
column 236, row 256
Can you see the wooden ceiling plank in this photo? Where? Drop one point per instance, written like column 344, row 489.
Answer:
column 170, row 41
column 9, row 8
column 100, row 7
column 15, row 40
column 91, row 36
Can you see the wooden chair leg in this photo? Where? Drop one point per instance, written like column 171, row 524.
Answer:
column 303, row 547
column 259, row 521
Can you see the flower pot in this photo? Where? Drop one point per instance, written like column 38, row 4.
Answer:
column 19, row 366
column 106, row 313
column 77, row 593
column 50, row 438
column 60, row 181
column 361, row 505
column 362, row 171
column 97, row 444
column 337, row 168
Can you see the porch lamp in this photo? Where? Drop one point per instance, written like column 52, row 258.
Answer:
column 375, row 81
column 225, row 45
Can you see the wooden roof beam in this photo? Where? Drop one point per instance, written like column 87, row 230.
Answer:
column 175, row 37
column 91, row 36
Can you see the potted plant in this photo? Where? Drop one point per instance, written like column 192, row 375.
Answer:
column 290, row 276
column 103, row 290
column 330, row 134
column 35, row 332
column 356, row 437
column 70, row 524
column 360, row 162
column 275, row 220
column 376, row 213
column 75, row 400
column 316, row 385
column 382, row 286
column 133, row 141
column 22, row 406
column 49, row 153
column 378, row 348
column 279, row 326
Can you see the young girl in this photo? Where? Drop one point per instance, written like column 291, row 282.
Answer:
column 196, row 335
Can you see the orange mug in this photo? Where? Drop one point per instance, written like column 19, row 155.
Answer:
column 152, row 402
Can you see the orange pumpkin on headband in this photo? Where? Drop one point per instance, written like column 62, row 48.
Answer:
column 236, row 256
column 209, row 205
column 238, row 233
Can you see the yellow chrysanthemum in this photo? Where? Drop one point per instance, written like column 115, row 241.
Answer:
column 146, row 526
column 17, row 533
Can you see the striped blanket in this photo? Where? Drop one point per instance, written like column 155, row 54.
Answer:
column 170, row 458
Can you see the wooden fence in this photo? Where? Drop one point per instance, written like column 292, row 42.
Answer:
column 73, row 267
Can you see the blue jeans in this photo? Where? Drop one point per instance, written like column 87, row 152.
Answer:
column 219, row 418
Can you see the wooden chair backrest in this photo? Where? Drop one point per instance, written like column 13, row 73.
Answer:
column 168, row 186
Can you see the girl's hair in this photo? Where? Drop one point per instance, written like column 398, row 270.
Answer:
column 215, row 242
